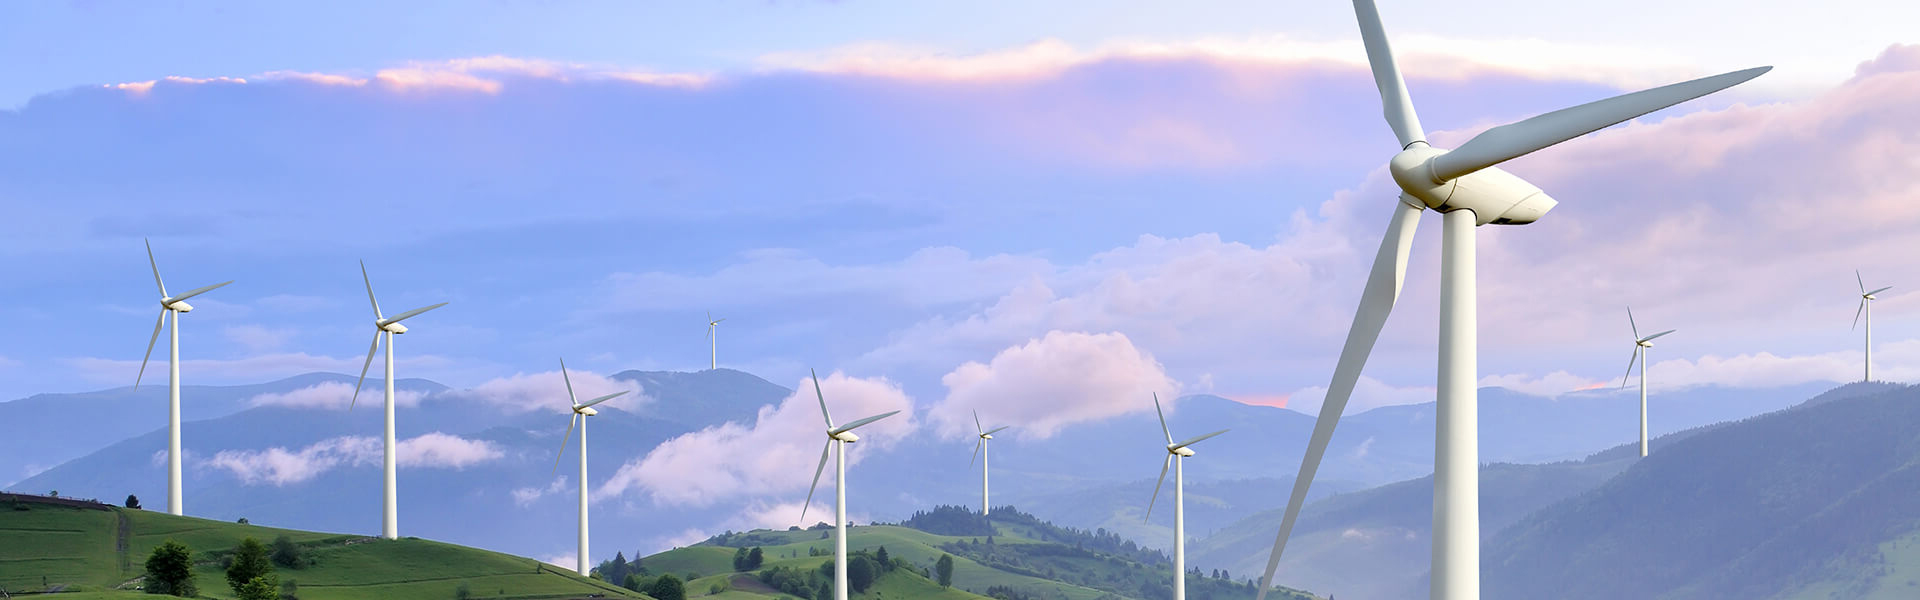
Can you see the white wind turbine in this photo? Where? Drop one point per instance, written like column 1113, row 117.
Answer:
column 1466, row 187
column 837, row 440
column 713, row 340
column 174, row 305
column 1176, row 456
column 581, row 410
column 1866, row 306
column 1640, row 346
column 980, row 454
column 390, row 524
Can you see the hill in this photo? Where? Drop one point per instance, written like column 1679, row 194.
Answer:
column 100, row 549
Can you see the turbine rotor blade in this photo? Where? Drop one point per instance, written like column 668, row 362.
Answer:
column 571, row 420
column 1630, row 323
column 1163, row 418
column 370, row 298
column 1197, row 440
column 1856, row 275
column 412, row 313
column 199, row 291
column 1376, row 302
column 823, row 398
column 363, row 369
column 976, row 423
column 816, row 480
column 998, row 429
column 563, row 377
column 856, row 424
column 1651, row 337
column 1856, row 315
column 163, row 286
column 1395, row 102
column 1503, row 143
column 1630, row 362
column 976, row 451
column 1879, row 290
column 604, row 398
column 1156, row 487
column 150, row 341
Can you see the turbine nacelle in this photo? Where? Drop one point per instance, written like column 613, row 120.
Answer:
column 1494, row 195
column 844, row 436
column 182, row 306
column 1180, row 450
column 390, row 326
column 587, row 411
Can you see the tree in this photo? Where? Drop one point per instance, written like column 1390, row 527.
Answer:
column 170, row 570
column 264, row 587
column 740, row 559
column 133, row 501
column 286, row 553
column 242, row 521
column 616, row 571
column 249, row 562
column 755, row 558
column 885, row 562
column 668, row 587
column 944, row 567
column 860, row 572
column 463, row 592
column 289, row 590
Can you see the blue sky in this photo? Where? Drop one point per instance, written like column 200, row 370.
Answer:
column 896, row 189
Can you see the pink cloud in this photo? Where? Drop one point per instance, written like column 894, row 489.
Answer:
column 1052, row 382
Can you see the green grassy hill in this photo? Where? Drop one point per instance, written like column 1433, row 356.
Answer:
column 100, row 552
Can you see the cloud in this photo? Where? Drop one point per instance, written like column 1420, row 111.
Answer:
column 1550, row 385
column 775, row 456
column 568, row 561
column 8, row 363
column 1051, row 382
column 485, row 75
column 547, row 392
column 937, row 275
column 336, row 395
column 257, row 338
column 526, row 496
column 279, row 466
column 1368, row 394
column 250, row 368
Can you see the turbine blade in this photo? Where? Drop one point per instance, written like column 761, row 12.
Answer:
column 1630, row 361
column 720, row 320
column 816, row 480
column 823, row 398
column 156, row 269
column 1197, row 440
column 1630, row 323
column 976, row 451
column 370, row 298
column 1163, row 418
column 563, row 377
column 604, row 398
column 856, row 424
column 571, row 420
column 199, row 291
column 1856, row 276
column 1512, row 140
column 1856, row 314
column 1879, row 290
column 1376, row 302
column 150, row 342
column 1156, row 487
column 998, row 429
column 1395, row 102
column 363, row 369
column 976, row 423
column 410, row 314
column 1652, row 337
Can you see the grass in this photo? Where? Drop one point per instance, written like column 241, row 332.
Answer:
column 77, row 548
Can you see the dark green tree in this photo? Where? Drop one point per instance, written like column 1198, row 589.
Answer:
column 616, row 570
column 755, row 558
column 264, row 587
column 860, row 572
column 170, row 570
column 463, row 592
column 249, row 561
column 668, row 587
column 740, row 559
column 944, row 568
column 289, row 590
column 286, row 553
column 886, row 563
column 133, row 501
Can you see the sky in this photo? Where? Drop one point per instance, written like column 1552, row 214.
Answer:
column 985, row 204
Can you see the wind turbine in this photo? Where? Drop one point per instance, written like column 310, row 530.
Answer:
column 837, row 439
column 1175, row 451
column 1469, row 191
column 174, row 305
column 580, row 413
column 390, row 525
column 1640, row 346
column 1866, row 306
column 713, row 340
column 980, row 453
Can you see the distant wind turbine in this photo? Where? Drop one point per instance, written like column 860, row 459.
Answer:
column 1176, row 455
column 980, row 453
column 174, row 305
column 1640, row 347
column 837, row 439
column 581, row 410
column 1866, row 306
column 713, row 340
column 390, row 525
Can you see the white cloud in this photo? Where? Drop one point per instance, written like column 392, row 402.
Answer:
column 929, row 276
column 250, row 368
column 279, row 466
column 568, row 561
column 547, row 391
column 1368, row 394
column 336, row 395
column 256, row 338
column 8, row 363
column 1052, row 382
column 1550, row 385
column 776, row 456
column 526, row 496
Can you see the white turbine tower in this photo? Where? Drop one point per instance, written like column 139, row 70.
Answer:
column 1469, row 191
column 174, row 305
column 980, row 454
column 1866, row 305
column 1640, row 346
column 581, row 410
column 1176, row 456
column 837, row 440
column 713, row 340
column 390, row 524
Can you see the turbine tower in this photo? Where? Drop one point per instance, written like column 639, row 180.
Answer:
column 980, row 454
column 713, row 340
column 837, row 440
column 390, row 523
column 1469, row 191
column 1640, row 346
column 1866, row 306
column 1176, row 455
column 581, row 410
column 174, row 305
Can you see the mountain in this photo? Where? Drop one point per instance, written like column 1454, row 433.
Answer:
column 52, row 544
